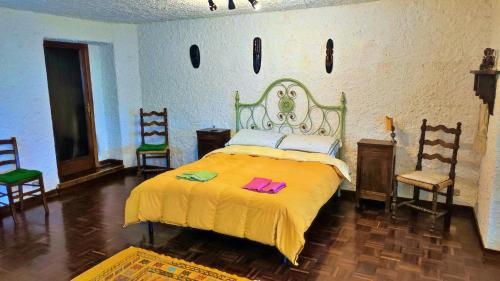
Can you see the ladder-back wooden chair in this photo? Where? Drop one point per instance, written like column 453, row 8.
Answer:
column 438, row 184
column 155, row 125
column 18, row 177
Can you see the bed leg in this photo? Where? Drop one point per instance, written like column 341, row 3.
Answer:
column 284, row 260
column 151, row 233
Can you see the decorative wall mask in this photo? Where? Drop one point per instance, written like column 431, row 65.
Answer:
column 194, row 53
column 329, row 56
column 257, row 54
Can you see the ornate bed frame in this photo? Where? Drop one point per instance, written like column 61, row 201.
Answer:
column 295, row 111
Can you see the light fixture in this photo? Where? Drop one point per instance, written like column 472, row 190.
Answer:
column 230, row 5
column 212, row 5
column 255, row 4
column 389, row 126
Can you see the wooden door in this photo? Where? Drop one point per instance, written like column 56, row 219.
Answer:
column 70, row 92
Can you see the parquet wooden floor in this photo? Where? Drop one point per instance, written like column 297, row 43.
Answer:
column 85, row 227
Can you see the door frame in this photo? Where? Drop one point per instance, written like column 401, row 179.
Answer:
column 73, row 166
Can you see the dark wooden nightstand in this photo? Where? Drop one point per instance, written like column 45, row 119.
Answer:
column 375, row 171
column 211, row 139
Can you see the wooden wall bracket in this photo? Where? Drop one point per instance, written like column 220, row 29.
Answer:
column 485, row 85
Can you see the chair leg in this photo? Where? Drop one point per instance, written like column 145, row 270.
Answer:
column 143, row 168
column 394, row 204
column 434, row 208
column 416, row 198
column 416, row 194
column 11, row 204
column 449, row 207
column 44, row 196
column 138, row 163
column 168, row 159
column 21, row 197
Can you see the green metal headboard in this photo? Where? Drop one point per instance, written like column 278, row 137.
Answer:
column 292, row 109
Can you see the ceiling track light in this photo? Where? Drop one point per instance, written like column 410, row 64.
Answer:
column 230, row 5
column 255, row 4
column 212, row 5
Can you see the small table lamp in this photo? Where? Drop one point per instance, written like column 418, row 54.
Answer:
column 389, row 126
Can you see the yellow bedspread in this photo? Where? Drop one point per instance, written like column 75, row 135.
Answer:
column 222, row 205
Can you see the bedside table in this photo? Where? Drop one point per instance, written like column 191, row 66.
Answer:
column 375, row 171
column 211, row 139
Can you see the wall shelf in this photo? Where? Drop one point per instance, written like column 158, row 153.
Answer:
column 485, row 85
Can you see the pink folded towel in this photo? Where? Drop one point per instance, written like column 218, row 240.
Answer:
column 257, row 184
column 264, row 185
column 274, row 187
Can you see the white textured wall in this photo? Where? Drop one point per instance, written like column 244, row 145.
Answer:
column 105, row 97
column 488, row 201
column 24, row 97
column 487, row 207
column 126, row 46
column 409, row 59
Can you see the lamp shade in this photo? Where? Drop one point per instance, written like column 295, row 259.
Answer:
column 389, row 123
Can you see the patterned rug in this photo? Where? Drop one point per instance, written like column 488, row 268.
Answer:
column 139, row 264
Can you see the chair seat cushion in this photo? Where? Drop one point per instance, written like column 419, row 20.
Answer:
column 19, row 175
column 425, row 179
column 153, row 147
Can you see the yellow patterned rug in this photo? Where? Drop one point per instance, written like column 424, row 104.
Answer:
column 139, row 264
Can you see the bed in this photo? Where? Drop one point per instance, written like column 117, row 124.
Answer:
column 223, row 206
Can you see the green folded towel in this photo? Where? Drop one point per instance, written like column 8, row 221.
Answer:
column 197, row 176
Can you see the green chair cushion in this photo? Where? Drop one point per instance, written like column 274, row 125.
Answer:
column 18, row 175
column 152, row 147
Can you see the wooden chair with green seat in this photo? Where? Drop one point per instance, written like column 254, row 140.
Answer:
column 437, row 184
column 159, row 122
column 18, row 177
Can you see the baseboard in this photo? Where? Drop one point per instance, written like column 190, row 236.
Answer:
column 90, row 177
column 133, row 170
column 130, row 170
column 348, row 194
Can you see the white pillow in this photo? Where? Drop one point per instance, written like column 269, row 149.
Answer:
column 309, row 143
column 257, row 138
column 336, row 148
